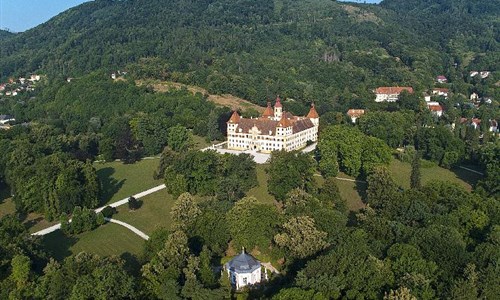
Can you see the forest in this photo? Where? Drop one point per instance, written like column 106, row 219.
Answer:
column 432, row 240
column 325, row 51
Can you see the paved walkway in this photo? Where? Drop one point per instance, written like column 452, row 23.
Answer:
column 344, row 179
column 115, row 204
column 258, row 157
column 470, row 170
column 270, row 267
column 128, row 226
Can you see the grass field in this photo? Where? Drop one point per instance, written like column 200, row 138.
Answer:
column 154, row 212
column 260, row 191
column 109, row 239
column 401, row 173
column 121, row 180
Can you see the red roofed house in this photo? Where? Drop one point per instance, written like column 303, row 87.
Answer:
column 355, row 113
column 435, row 108
column 441, row 79
column 274, row 130
column 440, row 92
column 390, row 93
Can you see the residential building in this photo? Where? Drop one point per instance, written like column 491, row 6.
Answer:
column 354, row 114
column 435, row 108
column 274, row 130
column 441, row 79
column 390, row 93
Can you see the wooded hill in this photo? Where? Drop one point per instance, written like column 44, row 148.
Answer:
column 322, row 50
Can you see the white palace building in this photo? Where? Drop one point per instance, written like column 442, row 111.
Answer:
column 274, row 130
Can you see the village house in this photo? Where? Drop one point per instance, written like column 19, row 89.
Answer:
column 354, row 114
column 440, row 92
column 435, row 108
column 4, row 119
column 244, row 270
column 390, row 93
column 441, row 79
column 274, row 130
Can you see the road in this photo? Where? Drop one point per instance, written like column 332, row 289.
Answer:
column 115, row 204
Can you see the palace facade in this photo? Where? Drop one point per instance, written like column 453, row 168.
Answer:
column 274, row 130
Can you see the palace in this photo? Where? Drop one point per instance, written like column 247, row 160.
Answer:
column 274, row 130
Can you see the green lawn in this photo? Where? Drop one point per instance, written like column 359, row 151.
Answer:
column 260, row 191
column 106, row 240
column 121, row 180
column 401, row 173
column 154, row 212
column 7, row 207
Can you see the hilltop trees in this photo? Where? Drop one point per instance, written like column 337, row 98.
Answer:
column 290, row 170
column 354, row 152
column 227, row 177
column 53, row 184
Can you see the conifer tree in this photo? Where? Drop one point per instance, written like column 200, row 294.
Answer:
column 415, row 172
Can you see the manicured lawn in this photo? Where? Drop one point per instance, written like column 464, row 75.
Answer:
column 6, row 204
column 121, row 180
column 401, row 172
column 260, row 191
column 7, row 207
column 109, row 239
column 154, row 212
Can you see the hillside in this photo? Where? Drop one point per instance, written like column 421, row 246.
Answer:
column 332, row 52
column 4, row 34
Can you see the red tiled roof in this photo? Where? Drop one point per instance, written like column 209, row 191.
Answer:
column 278, row 102
column 284, row 122
column 355, row 112
column 435, row 107
column 235, row 118
column 313, row 114
column 390, row 90
column 269, row 111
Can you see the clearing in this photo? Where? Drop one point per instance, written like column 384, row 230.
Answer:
column 222, row 100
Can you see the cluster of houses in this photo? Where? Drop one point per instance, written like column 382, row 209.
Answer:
column 392, row 93
column 482, row 74
column 16, row 86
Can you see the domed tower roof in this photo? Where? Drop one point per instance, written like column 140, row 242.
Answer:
column 243, row 263
column 278, row 102
column 269, row 111
column 313, row 114
column 235, row 118
column 284, row 122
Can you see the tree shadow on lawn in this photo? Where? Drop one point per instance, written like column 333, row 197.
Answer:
column 132, row 263
column 58, row 244
column 4, row 192
column 110, row 186
column 466, row 176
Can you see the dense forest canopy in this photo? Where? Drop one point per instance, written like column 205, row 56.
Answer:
column 428, row 240
column 327, row 51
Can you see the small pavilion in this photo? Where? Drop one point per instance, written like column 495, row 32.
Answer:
column 244, row 270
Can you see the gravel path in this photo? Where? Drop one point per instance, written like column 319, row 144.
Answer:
column 128, row 226
column 115, row 204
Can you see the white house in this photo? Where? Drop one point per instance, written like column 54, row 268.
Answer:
column 441, row 79
column 390, row 93
column 274, row 130
column 435, row 108
column 440, row 92
column 4, row 119
column 243, row 270
column 354, row 114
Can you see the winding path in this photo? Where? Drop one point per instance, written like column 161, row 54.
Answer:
column 115, row 204
column 128, row 226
